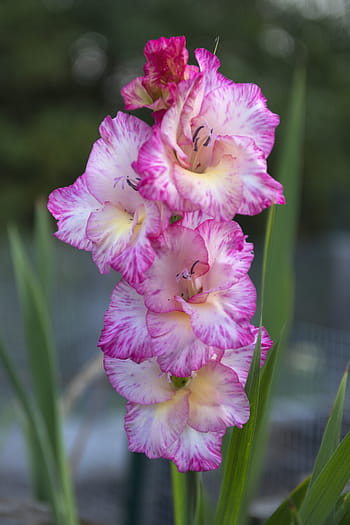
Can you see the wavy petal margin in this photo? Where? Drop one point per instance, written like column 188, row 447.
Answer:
column 197, row 451
column 142, row 383
column 152, row 429
column 71, row 206
column 217, row 399
column 125, row 334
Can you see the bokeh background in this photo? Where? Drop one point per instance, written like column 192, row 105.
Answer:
column 62, row 64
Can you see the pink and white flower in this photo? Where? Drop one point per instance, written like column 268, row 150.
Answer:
column 166, row 66
column 179, row 418
column 103, row 211
column 195, row 301
column 209, row 150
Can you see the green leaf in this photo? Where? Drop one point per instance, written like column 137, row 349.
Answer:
column 328, row 486
column 332, row 431
column 277, row 282
column 39, row 339
column 237, row 461
column 342, row 512
column 279, row 288
column 39, row 434
column 199, row 511
column 282, row 514
column 43, row 366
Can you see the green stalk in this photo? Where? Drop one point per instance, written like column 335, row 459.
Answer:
column 180, row 497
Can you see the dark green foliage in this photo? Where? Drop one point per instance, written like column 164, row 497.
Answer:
column 50, row 110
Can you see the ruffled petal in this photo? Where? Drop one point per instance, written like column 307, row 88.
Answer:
column 240, row 359
column 109, row 167
column 217, row 191
column 125, row 334
column 155, row 164
column 193, row 219
column 222, row 320
column 177, row 120
column 179, row 249
column 209, row 64
column 142, row 383
column 217, row 399
column 135, row 95
column 152, row 429
column 178, row 349
column 166, row 60
column 198, row 451
column 240, row 110
column 110, row 230
column 230, row 255
column 71, row 206
column 260, row 190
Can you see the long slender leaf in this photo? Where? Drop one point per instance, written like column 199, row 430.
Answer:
column 39, row 340
column 342, row 511
column 199, row 511
column 282, row 514
column 277, row 283
column 332, row 431
column 278, row 295
column 327, row 487
column 238, row 458
column 43, row 366
column 39, row 432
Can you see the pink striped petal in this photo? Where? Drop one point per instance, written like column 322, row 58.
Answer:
column 240, row 359
column 222, row 320
column 72, row 206
column 135, row 95
column 178, row 250
column 142, row 383
column 259, row 189
column 198, row 451
column 110, row 162
column 125, row 334
column 209, row 64
column 156, row 164
column 110, row 230
column 152, row 429
column 217, row 191
column 240, row 110
column 193, row 219
column 166, row 60
column 217, row 399
column 176, row 124
column 178, row 349
column 230, row 256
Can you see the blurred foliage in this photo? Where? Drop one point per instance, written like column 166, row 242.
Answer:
column 63, row 63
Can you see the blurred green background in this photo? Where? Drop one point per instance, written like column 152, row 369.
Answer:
column 63, row 62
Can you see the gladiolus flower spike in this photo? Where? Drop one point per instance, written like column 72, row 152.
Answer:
column 156, row 205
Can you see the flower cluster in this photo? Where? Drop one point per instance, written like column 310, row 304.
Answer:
column 156, row 204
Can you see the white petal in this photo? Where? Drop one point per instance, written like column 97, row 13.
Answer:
column 72, row 206
column 198, row 451
column 152, row 429
column 217, row 399
column 125, row 333
column 142, row 383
